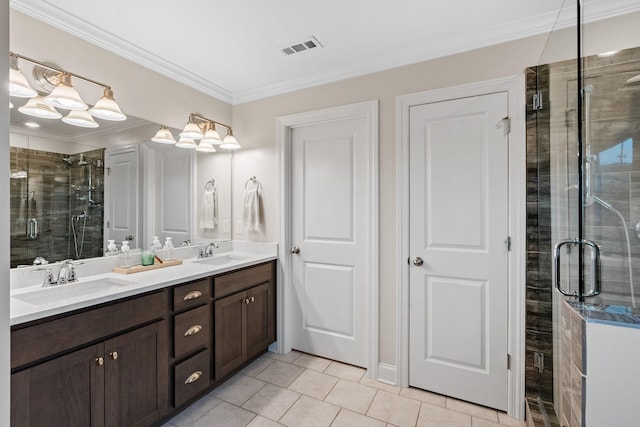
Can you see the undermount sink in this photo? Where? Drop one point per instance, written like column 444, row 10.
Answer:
column 81, row 288
column 219, row 260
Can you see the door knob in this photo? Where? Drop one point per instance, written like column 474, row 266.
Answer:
column 295, row 250
column 129, row 237
column 417, row 261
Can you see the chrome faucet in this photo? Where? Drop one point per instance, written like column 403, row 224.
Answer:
column 208, row 251
column 66, row 274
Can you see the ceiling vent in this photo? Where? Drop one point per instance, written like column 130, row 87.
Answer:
column 301, row 46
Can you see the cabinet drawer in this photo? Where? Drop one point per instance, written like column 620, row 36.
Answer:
column 191, row 377
column 191, row 330
column 191, row 294
column 230, row 283
column 52, row 337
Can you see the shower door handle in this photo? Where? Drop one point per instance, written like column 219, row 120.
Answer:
column 595, row 267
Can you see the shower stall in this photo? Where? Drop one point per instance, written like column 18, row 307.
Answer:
column 56, row 205
column 583, row 201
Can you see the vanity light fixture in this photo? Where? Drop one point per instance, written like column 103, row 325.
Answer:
column 229, row 142
column 202, row 128
column 206, row 147
column 80, row 118
column 186, row 143
column 36, row 107
column 164, row 136
column 18, row 84
column 63, row 95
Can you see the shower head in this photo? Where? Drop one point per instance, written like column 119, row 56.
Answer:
column 69, row 160
column 82, row 161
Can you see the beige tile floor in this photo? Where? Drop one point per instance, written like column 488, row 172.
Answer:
column 298, row 389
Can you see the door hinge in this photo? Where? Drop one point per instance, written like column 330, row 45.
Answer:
column 109, row 171
column 508, row 243
column 537, row 101
column 108, row 224
column 508, row 361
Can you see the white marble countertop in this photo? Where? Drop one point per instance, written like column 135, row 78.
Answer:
column 28, row 303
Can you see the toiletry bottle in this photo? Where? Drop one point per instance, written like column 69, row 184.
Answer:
column 112, row 249
column 125, row 255
column 168, row 249
column 156, row 247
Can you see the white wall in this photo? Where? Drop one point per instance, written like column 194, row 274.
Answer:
column 255, row 121
column 4, row 217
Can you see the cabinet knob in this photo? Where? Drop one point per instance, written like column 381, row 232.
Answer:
column 100, row 361
column 192, row 295
column 252, row 299
column 114, row 355
column 193, row 377
column 247, row 301
column 193, row 330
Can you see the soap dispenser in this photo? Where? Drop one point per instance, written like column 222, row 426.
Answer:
column 112, row 249
column 125, row 255
column 168, row 249
column 156, row 247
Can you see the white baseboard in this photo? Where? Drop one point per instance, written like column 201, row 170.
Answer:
column 387, row 374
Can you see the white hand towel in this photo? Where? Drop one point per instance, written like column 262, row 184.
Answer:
column 251, row 209
column 209, row 219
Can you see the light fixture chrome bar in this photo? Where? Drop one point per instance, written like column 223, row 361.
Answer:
column 58, row 70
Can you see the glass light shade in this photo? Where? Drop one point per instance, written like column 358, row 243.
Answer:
column 10, row 105
column 65, row 96
column 18, row 84
column 164, row 136
column 80, row 118
column 36, row 107
column 206, row 147
column 212, row 136
column 229, row 142
column 186, row 143
column 107, row 108
column 191, row 130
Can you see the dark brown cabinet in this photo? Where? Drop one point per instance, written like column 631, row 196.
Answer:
column 244, row 320
column 137, row 361
column 118, row 382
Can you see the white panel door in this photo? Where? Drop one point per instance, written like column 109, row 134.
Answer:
column 121, row 195
column 458, row 227
column 330, row 223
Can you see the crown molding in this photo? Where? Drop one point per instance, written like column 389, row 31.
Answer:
column 512, row 30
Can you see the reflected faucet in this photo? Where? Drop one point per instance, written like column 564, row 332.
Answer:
column 208, row 251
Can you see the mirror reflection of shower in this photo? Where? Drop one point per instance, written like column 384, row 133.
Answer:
column 57, row 209
column 589, row 197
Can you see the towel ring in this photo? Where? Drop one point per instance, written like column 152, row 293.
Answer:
column 252, row 180
column 209, row 184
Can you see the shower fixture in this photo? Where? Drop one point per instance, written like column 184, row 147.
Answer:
column 82, row 161
column 69, row 160
column 633, row 80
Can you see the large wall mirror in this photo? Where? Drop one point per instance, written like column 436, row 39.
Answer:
column 72, row 188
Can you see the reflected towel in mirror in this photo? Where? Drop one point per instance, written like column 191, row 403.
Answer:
column 209, row 216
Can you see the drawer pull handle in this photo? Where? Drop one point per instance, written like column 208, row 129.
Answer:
column 193, row 377
column 193, row 330
column 100, row 361
column 192, row 295
column 114, row 355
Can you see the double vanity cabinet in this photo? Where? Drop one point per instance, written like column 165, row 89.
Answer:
column 137, row 361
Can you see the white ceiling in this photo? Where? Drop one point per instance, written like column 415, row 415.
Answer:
column 231, row 49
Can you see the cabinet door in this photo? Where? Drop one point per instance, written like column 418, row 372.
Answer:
column 136, row 376
column 230, row 324
column 260, row 318
column 67, row 391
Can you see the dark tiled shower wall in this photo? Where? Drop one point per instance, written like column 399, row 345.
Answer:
column 539, row 332
column 48, row 195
